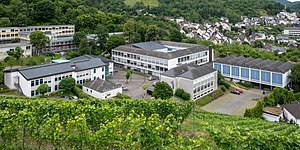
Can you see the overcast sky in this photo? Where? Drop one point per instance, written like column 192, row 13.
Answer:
column 293, row 0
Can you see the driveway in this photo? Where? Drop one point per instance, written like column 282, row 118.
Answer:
column 234, row 104
column 134, row 85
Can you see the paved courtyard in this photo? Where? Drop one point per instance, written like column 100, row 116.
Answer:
column 234, row 104
column 134, row 85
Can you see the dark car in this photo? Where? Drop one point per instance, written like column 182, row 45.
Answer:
column 235, row 92
column 125, row 89
column 65, row 96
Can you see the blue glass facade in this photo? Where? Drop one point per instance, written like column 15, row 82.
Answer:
column 218, row 67
column 265, row 76
column 244, row 73
column 277, row 78
column 255, row 74
column 235, row 71
column 226, row 69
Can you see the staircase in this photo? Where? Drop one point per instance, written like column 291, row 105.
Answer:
column 19, row 89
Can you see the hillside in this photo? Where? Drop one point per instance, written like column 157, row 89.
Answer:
column 151, row 3
column 133, row 124
column 284, row 2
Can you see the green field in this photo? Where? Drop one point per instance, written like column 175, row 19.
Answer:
column 151, row 3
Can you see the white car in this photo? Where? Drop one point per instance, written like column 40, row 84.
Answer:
column 73, row 98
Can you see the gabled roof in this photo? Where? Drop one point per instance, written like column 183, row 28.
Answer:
column 273, row 111
column 101, row 85
column 189, row 71
column 268, row 65
column 293, row 108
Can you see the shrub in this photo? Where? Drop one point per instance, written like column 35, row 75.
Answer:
column 203, row 101
column 216, row 94
column 80, row 93
column 122, row 96
column 179, row 92
column 223, row 88
column 186, row 96
column 245, row 84
column 225, row 83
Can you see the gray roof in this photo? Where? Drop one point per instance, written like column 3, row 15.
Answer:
column 86, row 57
column 189, row 49
column 61, row 39
column 189, row 71
column 101, row 85
column 149, row 46
column 293, row 108
column 292, row 28
column 15, row 44
column 268, row 65
column 40, row 71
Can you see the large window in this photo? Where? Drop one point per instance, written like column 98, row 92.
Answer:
column 235, row 71
column 265, row 76
column 255, row 74
column 226, row 69
column 244, row 73
column 276, row 78
column 32, row 83
column 218, row 67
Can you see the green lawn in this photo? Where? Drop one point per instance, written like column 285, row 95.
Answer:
column 151, row 3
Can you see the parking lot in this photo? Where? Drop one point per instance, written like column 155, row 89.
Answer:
column 134, row 85
column 234, row 104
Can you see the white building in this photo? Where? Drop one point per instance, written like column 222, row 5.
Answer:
column 25, row 46
column 28, row 79
column 292, row 31
column 101, row 89
column 157, row 57
column 273, row 114
column 256, row 71
column 292, row 112
column 196, row 80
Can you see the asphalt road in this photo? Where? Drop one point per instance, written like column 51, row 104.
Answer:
column 234, row 104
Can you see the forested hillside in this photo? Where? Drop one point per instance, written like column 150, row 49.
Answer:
column 39, row 12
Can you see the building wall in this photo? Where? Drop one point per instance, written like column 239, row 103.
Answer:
column 106, row 95
column 173, row 82
column 9, row 33
column 25, row 86
column 9, row 79
column 289, row 116
column 293, row 32
column 253, row 75
column 186, row 85
column 204, row 85
column 26, row 48
column 272, row 118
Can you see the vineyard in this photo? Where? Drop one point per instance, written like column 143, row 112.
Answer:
column 233, row 132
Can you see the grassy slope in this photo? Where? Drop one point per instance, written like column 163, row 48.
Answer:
column 151, row 3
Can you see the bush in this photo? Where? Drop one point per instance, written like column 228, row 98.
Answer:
column 203, row 101
column 80, row 93
column 122, row 96
column 223, row 88
column 186, row 96
column 225, row 83
column 216, row 94
column 245, row 84
column 179, row 92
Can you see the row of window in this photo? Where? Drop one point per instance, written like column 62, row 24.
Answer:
column 203, row 94
column 9, row 35
column 192, row 57
column 142, row 65
column 256, row 75
column 203, row 87
column 62, row 77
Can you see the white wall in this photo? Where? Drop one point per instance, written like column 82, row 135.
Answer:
column 106, row 95
column 25, row 86
column 272, row 118
column 27, row 52
column 289, row 116
column 169, row 80
column 186, row 85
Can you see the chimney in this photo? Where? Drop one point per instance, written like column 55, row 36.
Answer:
column 211, row 53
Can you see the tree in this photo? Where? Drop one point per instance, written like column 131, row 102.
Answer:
column 114, row 41
column 17, row 53
column 175, row 35
column 38, row 40
column 77, row 37
column 179, row 92
column 129, row 29
column 44, row 88
column 162, row 90
column 84, row 47
column 67, row 84
column 5, row 22
column 258, row 44
column 102, row 35
column 127, row 75
column 146, row 86
column 44, row 10
column 152, row 33
column 295, row 77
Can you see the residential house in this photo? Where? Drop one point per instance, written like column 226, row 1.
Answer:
column 292, row 112
column 101, row 89
column 273, row 114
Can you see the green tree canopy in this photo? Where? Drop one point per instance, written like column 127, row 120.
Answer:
column 17, row 53
column 44, row 10
column 84, row 47
column 295, row 77
column 102, row 35
column 114, row 41
column 44, row 88
column 5, row 22
column 77, row 37
column 39, row 40
column 152, row 33
column 162, row 90
column 67, row 84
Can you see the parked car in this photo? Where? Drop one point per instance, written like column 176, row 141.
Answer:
column 73, row 98
column 235, row 92
column 125, row 89
column 151, row 78
column 65, row 96
column 240, row 90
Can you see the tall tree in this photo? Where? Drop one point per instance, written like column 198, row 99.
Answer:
column 17, row 53
column 114, row 41
column 39, row 40
column 67, row 84
column 77, row 37
column 44, row 88
column 175, row 35
column 84, row 47
column 5, row 22
column 129, row 29
column 127, row 75
column 152, row 33
column 295, row 77
column 102, row 35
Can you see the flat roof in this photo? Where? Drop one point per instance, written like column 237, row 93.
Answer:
column 148, row 49
column 14, row 44
column 45, row 70
column 61, row 39
column 189, row 71
column 249, row 62
column 101, row 86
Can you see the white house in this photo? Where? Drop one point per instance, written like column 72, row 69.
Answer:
column 25, row 46
column 273, row 114
column 157, row 57
column 292, row 112
column 196, row 80
column 292, row 31
column 28, row 79
column 101, row 89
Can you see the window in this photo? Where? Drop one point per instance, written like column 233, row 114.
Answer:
column 102, row 76
column 255, row 74
column 36, row 92
column 32, row 83
column 59, row 78
column 265, row 76
column 276, row 78
column 218, row 67
column 37, row 82
column 235, row 71
column 32, row 93
column 94, row 70
column 41, row 81
column 56, row 87
column 94, row 78
column 245, row 73
column 226, row 69
column 55, row 79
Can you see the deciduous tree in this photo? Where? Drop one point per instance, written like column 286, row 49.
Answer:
column 39, row 40
column 162, row 90
column 67, row 84
column 44, row 88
